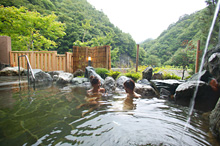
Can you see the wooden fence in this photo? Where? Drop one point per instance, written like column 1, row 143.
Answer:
column 44, row 60
column 68, row 62
column 101, row 57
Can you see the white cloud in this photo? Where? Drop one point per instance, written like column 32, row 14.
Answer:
column 146, row 18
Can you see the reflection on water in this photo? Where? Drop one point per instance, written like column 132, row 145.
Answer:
column 48, row 116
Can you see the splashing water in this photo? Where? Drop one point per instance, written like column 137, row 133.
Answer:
column 192, row 102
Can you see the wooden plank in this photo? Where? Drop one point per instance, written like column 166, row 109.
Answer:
column 37, row 60
column 48, row 61
column 45, row 62
column 41, row 61
column 23, row 61
column 106, row 50
column 67, row 62
column 54, row 67
column 64, row 64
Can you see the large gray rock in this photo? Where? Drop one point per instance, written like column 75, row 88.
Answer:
column 147, row 73
column 120, row 81
column 12, row 71
column 144, row 81
column 214, row 120
column 214, row 66
column 78, row 81
column 109, row 85
column 78, row 72
column 64, row 78
column 204, row 76
column 146, row 91
column 52, row 73
column 212, row 62
column 89, row 71
column 41, row 76
column 157, row 76
column 205, row 100
column 165, row 94
column 169, row 85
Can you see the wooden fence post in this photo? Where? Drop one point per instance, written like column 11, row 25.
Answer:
column 106, row 49
column 197, row 57
column 137, row 57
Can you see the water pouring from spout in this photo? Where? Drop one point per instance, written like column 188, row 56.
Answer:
column 192, row 102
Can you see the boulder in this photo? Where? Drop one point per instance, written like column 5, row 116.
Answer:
column 214, row 66
column 165, row 94
column 41, row 76
column 146, row 91
column 147, row 73
column 212, row 63
column 157, row 76
column 120, row 81
column 78, row 72
column 205, row 99
column 144, row 81
column 91, row 72
column 204, row 76
column 64, row 78
column 109, row 85
column 77, row 80
column 169, row 85
column 214, row 120
column 52, row 73
column 3, row 65
column 12, row 71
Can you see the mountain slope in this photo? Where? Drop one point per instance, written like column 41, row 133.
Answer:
column 83, row 23
column 181, row 35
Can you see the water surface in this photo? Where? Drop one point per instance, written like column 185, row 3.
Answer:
column 48, row 116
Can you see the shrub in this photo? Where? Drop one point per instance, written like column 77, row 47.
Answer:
column 113, row 74
column 171, row 76
column 102, row 72
column 134, row 76
column 188, row 77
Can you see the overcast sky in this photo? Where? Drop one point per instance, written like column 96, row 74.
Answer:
column 144, row 19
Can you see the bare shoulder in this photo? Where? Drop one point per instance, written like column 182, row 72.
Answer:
column 102, row 90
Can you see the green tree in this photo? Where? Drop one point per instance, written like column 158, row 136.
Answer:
column 26, row 27
column 86, row 26
column 182, row 58
column 152, row 60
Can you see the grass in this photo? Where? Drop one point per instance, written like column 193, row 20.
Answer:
column 162, row 69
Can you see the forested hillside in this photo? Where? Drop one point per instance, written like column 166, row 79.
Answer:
column 60, row 24
column 180, row 40
column 80, row 22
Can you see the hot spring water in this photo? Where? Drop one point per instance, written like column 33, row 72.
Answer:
column 48, row 116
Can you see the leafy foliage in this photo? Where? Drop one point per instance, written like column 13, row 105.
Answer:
column 133, row 76
column 85, row 26
column 170, row 76
column 102, row 72
column 189, row 28
column 25, row 28
column 113, row 74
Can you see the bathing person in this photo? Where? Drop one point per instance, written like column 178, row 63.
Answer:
column 95, row 82
column 93, row 96
column 129, row 86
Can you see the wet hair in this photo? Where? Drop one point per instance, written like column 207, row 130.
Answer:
column 94, row 80
column 129, row 84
